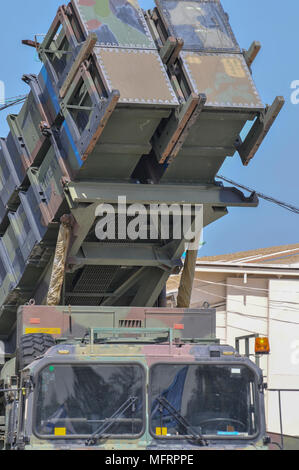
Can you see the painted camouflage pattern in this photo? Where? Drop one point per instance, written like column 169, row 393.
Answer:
column 91, row 137
column 224, row 78
column 119, row 100
column 202, row 24
column 104, row 125
column 213, row 66
column 118, row 23
column 56, row 321
column 83, row 128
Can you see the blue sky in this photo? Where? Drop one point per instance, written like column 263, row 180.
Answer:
column 275, row 168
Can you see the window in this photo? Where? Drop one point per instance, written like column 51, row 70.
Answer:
column 214, row 400
column 79, row 400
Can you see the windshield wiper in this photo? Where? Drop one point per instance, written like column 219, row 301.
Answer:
column 196, row 436
column 98, row 434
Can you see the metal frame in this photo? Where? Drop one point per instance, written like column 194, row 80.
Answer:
column 153, row 262
column 130, row 331
column 88, row 192
column 260, row 128
column 75, row 362
column 61, row 20
column 100, row 111
column 168, row 144
column 246, row 339
column 214, row 363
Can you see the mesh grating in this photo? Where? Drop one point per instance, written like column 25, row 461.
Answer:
column 91, row 280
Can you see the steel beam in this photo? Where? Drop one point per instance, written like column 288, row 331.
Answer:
column 120, row 254
column 215, row 195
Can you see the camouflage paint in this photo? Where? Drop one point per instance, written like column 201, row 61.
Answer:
column 224, row 78
column 73, row 321
column 121, row 102
column 202, row 24
column 116, row 22
column 211, row 64
column 56, row 321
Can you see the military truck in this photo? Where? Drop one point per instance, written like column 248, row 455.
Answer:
column 129, row 378
column 122, row 134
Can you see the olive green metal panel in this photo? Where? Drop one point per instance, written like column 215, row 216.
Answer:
column 28, row 122
column 125, row 138
column 209, row 142
column 47, row 186
column 199, row 323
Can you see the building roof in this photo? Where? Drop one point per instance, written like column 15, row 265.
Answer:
column 284, row 254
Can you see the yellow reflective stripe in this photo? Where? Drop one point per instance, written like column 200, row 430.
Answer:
column 49, row 331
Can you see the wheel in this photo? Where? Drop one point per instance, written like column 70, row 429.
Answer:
column 32, row 346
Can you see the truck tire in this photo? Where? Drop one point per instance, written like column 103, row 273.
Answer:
column 32, row 346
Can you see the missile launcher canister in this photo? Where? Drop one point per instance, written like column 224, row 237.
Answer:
column 142, row 105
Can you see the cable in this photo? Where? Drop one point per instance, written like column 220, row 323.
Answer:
column 238, row 328
column 282, row 204
column 13, row 101
column 255, row 317
column 248, row 287
column 296, row 310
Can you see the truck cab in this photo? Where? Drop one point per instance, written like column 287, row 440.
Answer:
column 144, row 388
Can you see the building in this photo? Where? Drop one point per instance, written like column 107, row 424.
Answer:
column 257, row 292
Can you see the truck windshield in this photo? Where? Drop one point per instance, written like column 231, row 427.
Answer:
column 215, row 400
column 77, row 400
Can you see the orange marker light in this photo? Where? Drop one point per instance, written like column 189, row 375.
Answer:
column 178, row 326
column 262, row 346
